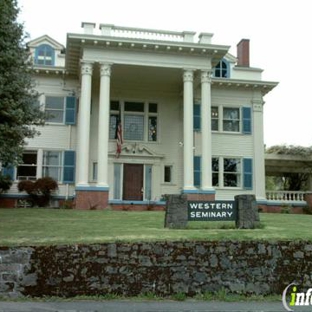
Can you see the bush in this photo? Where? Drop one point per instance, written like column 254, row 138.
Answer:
column 39, row 191
column 5, row 183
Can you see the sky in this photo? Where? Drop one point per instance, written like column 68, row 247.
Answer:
column 279, row 34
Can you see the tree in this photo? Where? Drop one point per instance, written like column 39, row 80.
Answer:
column 5, row 183
column 19, row 113
column 292, row 181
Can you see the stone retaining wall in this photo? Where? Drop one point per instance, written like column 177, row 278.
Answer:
column 162, row 268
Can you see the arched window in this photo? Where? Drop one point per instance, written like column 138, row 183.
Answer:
column 222, row 70
column 44, row 55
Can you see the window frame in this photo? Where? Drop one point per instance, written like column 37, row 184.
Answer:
column 59, row 166
column 26, row 165
column 221, row 172
column 221, row 119
column 55, row 109
column 224, row 68
column 45, row 48
column 118, row 111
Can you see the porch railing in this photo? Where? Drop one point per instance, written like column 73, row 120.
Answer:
column 285, row 195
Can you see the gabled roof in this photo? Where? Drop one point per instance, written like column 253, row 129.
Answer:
column 45, row 39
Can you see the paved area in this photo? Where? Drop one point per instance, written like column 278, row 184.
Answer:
column 144, row 306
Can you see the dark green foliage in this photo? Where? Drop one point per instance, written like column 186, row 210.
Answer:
column 18, row 112
column 5, row 183
column 39, row 191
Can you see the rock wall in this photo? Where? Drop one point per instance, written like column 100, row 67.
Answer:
column 162, row 268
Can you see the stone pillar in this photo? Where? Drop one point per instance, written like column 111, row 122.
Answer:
column 188, row 144
column 259, row 162
column 84, row 124
column 247, row 212
column 103, row 132
column 206, row 130
column 176, row 211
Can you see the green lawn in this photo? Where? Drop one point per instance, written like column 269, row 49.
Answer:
column 53, row 226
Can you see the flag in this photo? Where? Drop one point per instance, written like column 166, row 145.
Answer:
column 118, row 135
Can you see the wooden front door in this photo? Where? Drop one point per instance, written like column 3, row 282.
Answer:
column 133, row 182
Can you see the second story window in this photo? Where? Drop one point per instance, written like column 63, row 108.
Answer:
column 54, row 107
column 44, row 55
column 139, row 120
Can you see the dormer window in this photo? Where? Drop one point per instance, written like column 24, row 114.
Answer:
column 44, row 55
column 222, row 70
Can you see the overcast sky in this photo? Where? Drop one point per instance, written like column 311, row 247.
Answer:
column 279, row 33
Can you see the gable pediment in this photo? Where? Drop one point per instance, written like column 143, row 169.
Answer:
column 137, row 150
column 45, row 39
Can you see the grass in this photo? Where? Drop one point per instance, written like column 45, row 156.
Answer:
column 207, row 296
column 53, row 226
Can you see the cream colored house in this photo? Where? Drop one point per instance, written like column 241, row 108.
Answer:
column 191, row 117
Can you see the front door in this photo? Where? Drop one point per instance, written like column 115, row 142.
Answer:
column 133, row 182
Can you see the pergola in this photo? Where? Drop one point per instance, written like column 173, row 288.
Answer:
column 277, row 165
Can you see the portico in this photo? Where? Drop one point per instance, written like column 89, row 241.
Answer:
column 100, row 58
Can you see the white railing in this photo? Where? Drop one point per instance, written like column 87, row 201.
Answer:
column 285, row 195
column 143, row 33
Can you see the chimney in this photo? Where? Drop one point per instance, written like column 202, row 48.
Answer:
column 243, row 53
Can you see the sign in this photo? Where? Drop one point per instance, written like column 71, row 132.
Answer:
column 219, row 210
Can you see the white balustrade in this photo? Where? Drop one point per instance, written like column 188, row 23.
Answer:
column 149, row 34
column 285, row 195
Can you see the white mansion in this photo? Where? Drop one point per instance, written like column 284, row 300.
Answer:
column 191, row 116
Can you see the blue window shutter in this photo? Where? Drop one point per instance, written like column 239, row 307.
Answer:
column 247, row 166
column 197, row 171
column 247, row 120
column 8, row 171
column 70, row 115
column 69, row 167
column 196, row 116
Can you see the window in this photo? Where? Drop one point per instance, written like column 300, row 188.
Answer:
column 222, row 69
column 133, row 127
column 231, row 119
column 44, row 55
column 28, row 169
column 152, row 122
column 197, row 117
column 215, row 171
column 232, row 172
column 197, row 171
column 139, row 120
column 168, row 174
column 54, row 107
column 60, row 109
column 52, row 165
column 226, row 172
column 214, row 118
column 94, row 171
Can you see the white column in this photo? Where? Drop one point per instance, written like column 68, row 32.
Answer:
column 259, row 162
column 188, row 147
column 206, row 130
column 103, row 134
column 39, row 163
column 84, row 124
